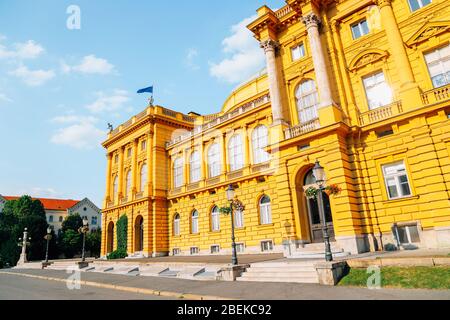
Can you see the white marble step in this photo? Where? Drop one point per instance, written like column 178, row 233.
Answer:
column 316, row 254
column 281, row 280
column 151, row 271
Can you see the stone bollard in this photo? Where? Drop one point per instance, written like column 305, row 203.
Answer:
column 330, row 273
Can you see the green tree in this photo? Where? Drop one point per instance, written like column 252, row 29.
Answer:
column 122, row 233
column 72, row 222
column 71, row 243
column 93, row 242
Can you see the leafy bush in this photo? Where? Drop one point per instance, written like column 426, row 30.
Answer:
column 122, row 233
column 118, row 254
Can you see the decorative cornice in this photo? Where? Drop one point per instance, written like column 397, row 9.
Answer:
column 427, row 31
column 367, row 57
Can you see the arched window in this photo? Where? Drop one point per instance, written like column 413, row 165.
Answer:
column 178, row 172
column 235, row 153
column 115, row 186
column 194, row 222
column 143, row 179
column 307, row 101
column 215, row 219
column 214, row 162
column 260, row 140
column 176, row 225
column 265, row 210
column 194, row 167
column 128, row 183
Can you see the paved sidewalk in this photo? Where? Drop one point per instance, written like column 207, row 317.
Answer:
column 247, row 290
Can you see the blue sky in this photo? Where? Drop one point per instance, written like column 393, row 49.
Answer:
column 59, row 87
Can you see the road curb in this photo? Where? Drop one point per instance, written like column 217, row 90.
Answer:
column 153, row 292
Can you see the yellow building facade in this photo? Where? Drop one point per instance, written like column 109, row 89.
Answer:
column 361, row 86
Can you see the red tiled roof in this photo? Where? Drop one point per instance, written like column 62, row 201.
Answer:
column 51, row 204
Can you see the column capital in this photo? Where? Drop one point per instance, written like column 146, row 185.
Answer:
column 270, row 45
column 383, row 3
column 335, row 25
column 312, row 20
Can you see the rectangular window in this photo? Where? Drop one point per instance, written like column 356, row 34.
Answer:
column 144, row 145
column 266, row 246
column 176, row 252
column 94, row 221
column 215, row 249
column 408, row 234
column 129, row 153
column 194, row 250
column 396, row 179
column 240, row 247
column 438, row 63
column 417, row 4
column 238, row 219
column 378, row 92
column 298, row 52
column 116, row 158
column 178, row 173
column 360, row 29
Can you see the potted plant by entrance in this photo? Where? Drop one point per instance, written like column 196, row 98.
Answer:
column 333, row 189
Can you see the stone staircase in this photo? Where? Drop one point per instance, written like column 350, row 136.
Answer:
column 317, row 251
column 290, row 271
column 63, row 265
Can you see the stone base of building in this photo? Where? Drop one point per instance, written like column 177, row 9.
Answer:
column 354, row 244
column 227, row 252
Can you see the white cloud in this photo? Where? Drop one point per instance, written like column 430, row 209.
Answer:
column 245, row 57
column 73, row 119
column 21, row 51
column 81, row 135
column 109, row 103
column 191, row 56
column 90, row 65
column 4, row 98
column 33, row 78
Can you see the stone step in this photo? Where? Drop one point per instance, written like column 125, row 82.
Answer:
column 281, row 280
column 125, row 270
column 294, row 269
column 169, row 273
column 310, row 274
column 152, row 271
column 316, row 254
column 190, row 272
column 286, row 264
column 207, row 275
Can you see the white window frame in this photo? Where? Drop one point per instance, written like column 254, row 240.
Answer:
column 94, row 221
column 216, row 246
column 128, row 183
column 215, row 219
column 235, row 153
column 194, row 222
column 195, row 167
column 420, row 3
column 214, row 161
column 441, row 63
column 260, row 140
column 176, row 251
column 177, row 225
column 115, row 186
column 408, row 233
column 395, row 177
column 194, row 251
column 265, row 243
column 378, row 85
column 307, row 101
column 240, row 245
column 238, row 219
column 143, row 176
column 265, row 210
column 178, row 172
column 359, row 25
column 298, row 52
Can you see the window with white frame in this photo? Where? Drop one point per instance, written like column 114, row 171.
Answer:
column 298, row 52
column 215, row 249
column 176, row 251
column 194, row 167
column 178, row 172
column 438, row 62
column 360, row 29
column 238, row 219
column 307, row 101
column 266, row 246
column 194, row 222
column 240, row 247
column 265, row 210
column 260, row 140
column 407, row 234
column 396, row 179
column 94, row 221
column 176, row 225
column 214, row 163
column 143, row 179
column 417, row 4
column 194, row 250
column 235, row 153
column 378, row 92
column 115, row 186
column 128, row 183
column 215, row 219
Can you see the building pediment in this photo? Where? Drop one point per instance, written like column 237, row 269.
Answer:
column 367, row 57
column 427, row 31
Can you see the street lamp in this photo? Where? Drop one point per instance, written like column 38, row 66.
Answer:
column 48, row 237
column 230, row 197
column 319, row 174
column 84, row 229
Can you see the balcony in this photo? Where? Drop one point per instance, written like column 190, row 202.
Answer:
column 302, row 129
column 213, row 181
column 175, row 191
column 139, row 195
column 260, row 167
column 436, row 95
column 235, row 174
column 381, row 114
column 193, row 186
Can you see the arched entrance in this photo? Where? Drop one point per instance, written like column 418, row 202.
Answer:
column 311, row 207
column 110, row 238
column 139, row 234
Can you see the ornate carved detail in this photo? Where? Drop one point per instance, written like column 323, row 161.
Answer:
column 383, row 3
column 311, row 20
column 367, row 57
column 427, row 31
column 270, row 45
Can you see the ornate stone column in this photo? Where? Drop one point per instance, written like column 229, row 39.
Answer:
column 224, row 154
column 134, row 169
column 120, row 176
column 270, row 48
column 108, row 179
column 149, row 162
column 312, row 22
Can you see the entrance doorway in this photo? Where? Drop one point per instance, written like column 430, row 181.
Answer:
column 110, row 238
column 312, row 206
column 139, row 234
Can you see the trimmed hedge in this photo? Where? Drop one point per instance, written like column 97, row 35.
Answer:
column 122, row 233
column 118, row 254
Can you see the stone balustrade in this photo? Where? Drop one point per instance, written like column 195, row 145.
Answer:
column 380, row 114
column 302, row 129
column 436, row 95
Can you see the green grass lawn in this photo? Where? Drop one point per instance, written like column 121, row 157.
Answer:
column 406, row 278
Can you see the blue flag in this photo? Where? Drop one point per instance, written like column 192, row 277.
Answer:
column 149, row 90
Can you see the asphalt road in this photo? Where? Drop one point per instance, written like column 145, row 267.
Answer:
column 20, row 288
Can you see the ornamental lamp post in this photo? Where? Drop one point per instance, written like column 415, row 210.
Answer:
column 48, row 237
column 288, row 226
column 84, row 229
column 230, row 197
column 319, row 174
